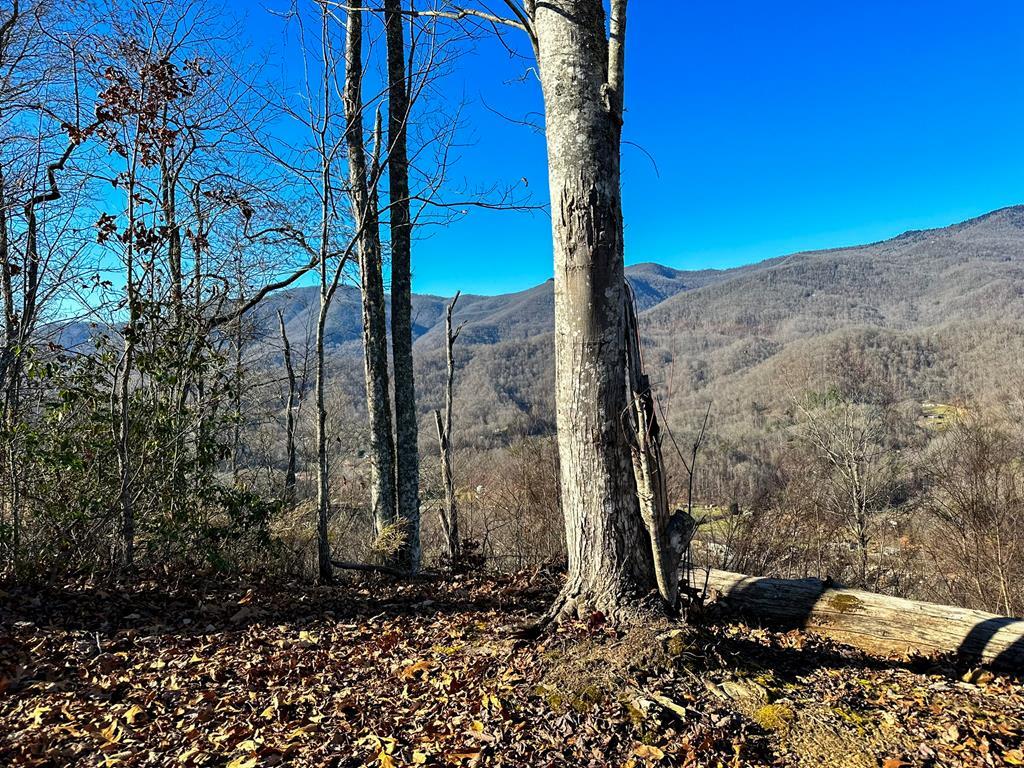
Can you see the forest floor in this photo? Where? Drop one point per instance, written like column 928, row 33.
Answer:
column 432, row 673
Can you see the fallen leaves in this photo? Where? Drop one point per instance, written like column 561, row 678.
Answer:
column 394, row 676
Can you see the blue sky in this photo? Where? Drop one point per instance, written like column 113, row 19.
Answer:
column 775, row 127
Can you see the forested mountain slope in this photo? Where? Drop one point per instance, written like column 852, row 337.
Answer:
column 929, row 314
column 932, row 314
column 488, row 319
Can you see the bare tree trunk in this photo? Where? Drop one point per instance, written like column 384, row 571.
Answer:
column 375, row 344
column 7, row 270
column 406, row 430
column 122, row 429
column 449, row 513
column 323, row 495
column 8, row 386
column 168, row 204
column 609, row 548
column 122, row 395
column 289, row 474
column 236, row 398
column 670, row 532
column 184, row 352
column 200, row 444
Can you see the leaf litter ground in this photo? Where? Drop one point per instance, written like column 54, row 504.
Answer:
column 374, row 673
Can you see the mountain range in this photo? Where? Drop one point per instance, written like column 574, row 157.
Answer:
column 931, row 315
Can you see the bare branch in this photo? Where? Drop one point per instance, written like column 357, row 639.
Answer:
column 617, row 55
column 456, row 15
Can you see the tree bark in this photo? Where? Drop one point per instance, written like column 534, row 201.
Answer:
column 236, row 394
column 168, row 204
column 289, row 474
column 323, row 468
column 875, row 623
column 323, row 489
column 375, row 344
column 121, row 395
column 670, row 533
column 609, row 549
column 9, row 387
column 449, row 513
column 406, row 430
column 7, row 271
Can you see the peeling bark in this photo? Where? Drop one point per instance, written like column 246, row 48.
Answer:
column 670, row 532
column 611, row 566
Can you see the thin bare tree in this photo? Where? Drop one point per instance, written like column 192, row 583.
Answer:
column 290, row 404
column 449, row 513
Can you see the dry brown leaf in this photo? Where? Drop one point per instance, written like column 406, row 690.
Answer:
column 419, row 668
column 1013, row 757
column 648, row 752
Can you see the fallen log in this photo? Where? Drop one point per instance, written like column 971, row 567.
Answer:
column 875, row 623
column 384, row 570
column 368, row 567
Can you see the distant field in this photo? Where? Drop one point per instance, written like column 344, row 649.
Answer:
column 938, row 416
column 713, row 520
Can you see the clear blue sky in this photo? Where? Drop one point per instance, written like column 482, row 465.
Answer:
column 775, row 127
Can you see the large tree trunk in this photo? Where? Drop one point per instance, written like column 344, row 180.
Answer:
column 375, row 342
column 875, row 623
column 406, row 432
column 610, row 559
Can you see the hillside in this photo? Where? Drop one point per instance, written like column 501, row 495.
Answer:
column 927, row 315
column 488, row 319
column 932, row 314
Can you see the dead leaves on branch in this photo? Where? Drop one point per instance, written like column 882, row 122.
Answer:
column 428, row 674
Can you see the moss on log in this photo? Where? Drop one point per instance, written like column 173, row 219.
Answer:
column 875, row 623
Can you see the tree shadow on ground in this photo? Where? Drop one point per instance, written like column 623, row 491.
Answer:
column 973, row 647
column 198, row 608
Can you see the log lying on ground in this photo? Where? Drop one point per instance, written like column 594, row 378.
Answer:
column 875, row 623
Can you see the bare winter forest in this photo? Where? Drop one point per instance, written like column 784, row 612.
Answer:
column 261, row 504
